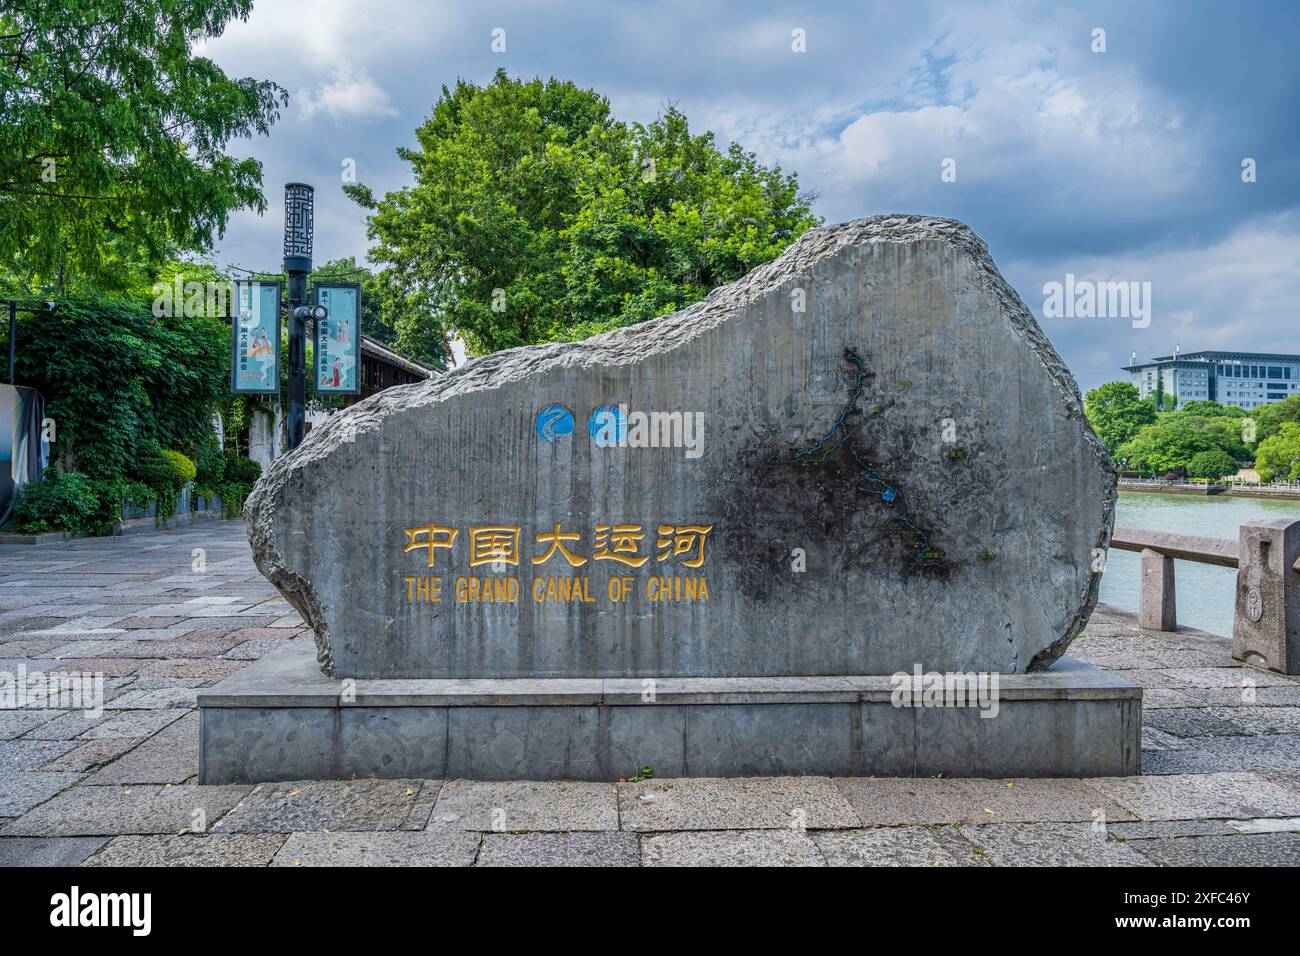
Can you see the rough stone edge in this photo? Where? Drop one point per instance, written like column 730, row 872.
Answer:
column 630, row 345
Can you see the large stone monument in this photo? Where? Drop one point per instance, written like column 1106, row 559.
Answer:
column 706, row 540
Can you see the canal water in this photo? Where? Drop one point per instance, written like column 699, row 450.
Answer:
column 1204, row 592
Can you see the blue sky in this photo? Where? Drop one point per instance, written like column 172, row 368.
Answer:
column 1123, row 165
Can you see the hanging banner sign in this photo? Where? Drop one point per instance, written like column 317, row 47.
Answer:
column 255, row 355
column 336, row 353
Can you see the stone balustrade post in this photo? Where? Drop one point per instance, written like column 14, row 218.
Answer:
column 1157, row 607
column 1266, row 626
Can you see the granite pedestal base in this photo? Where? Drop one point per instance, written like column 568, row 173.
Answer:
column 279, row 719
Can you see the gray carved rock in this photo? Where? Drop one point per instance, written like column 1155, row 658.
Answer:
column 895, row 470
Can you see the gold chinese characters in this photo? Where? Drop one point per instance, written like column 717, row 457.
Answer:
column 496, row 549
column 499, row 544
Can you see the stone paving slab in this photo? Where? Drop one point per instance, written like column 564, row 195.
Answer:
column 744, row 803
column 1051, row 844
column 189, row 667
column 103, row 811
column 134, row 723
column 1195, row 722
column 323, row 805
column 169, row 756
column 189, row 850
column 24, row 790
column 93, row 753
column 1166, row 829
column 16, row 723
column 560, row 849
column 444, row 846
column 31, row 754
column 899, row 846
column 1287, row 695
column 731, row 848
column 157, row 698
column 1222, row 754
column 69, row 725
column 1266, row 849
column 525, row 805
column 47, row 851
column 887, row 801
column 1199, row 796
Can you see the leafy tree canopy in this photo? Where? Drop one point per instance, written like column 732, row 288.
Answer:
column 113, row 134
column 1166, row 446
column 1278, row 456
column 536, row 216
column 118, row 380
column 1116, row 411
column 1212, row 464
column 1269, row 418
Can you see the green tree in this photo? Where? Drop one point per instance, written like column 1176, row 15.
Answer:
column 119, row 379
column 1269, row 418
column 1278, row 456
column 536, row 216
column 1211, row 464
column 113, row 135
column 1204, row 408
column 1116, row 411
column 1165, row 446
column 390, row 312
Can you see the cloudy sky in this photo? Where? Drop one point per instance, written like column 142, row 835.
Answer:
column 1122, row 165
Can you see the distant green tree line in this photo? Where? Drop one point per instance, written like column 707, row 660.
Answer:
column 1203, row 439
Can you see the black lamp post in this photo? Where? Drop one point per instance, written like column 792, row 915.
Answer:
column 298, row 225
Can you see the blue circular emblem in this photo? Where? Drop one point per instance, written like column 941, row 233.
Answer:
column 554, row 422
column 607, row 426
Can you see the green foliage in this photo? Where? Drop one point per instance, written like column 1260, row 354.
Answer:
column 209, row 468
column 1211, row 464
column 1204, row 408
column 154, row 471
column 536, row 216
column 113, row 134
column 1278, row 456
column 165, row 473
column 182, row 468
column 68, row 502
column 1117, row 411
column 118, row 379
column 242, row 471
column 390, row 313
column 1269, row 418
column 1164, row 447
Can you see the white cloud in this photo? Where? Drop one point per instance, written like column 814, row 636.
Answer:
column 351, row 94
column 1239, row 293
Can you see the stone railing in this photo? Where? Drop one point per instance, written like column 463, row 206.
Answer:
column 1266, row 554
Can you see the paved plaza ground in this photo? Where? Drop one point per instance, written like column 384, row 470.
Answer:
column 1221, row 756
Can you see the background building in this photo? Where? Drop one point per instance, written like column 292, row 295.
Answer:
column 1244, row 379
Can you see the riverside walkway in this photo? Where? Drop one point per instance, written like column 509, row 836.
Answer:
column 162, row 614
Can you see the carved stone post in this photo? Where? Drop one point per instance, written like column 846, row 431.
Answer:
column 1157, row 608
column 1266, row 627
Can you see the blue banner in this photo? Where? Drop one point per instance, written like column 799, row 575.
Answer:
column 255, row 351
column 336, row 354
